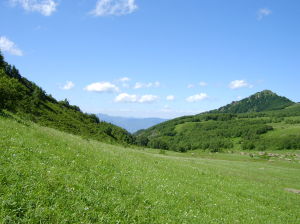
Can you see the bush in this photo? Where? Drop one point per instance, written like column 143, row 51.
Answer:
column 248, row 145
column 158, row 144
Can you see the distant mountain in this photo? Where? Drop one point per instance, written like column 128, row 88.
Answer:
column 261, row 101
column 131, row 124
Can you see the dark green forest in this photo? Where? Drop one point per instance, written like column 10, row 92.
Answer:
column 263, row 121
column 28, row 101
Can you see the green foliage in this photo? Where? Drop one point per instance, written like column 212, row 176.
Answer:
column 2, row 63
column 158, row 144
column 262, row 101
column 12, row 93
column 293, row 120
column 142, row 140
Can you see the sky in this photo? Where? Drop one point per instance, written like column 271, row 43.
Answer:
column 154, row 58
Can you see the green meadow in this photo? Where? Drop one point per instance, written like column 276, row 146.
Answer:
column 47, row 176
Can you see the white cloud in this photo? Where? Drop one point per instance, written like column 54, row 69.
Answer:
column 263, row 13
column 124, row 79
column 203, row 84
column 128, row 98
column 69, row 85
column 102, row 87
column 7, row 45
column 197, row 97
column 45, row 7
column 140, row 85
column 170, row 98
column 114, row 7
column 237, row 84
column 190, row 86
column 147, row 99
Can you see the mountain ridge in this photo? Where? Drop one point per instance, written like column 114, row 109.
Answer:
column 131, row 124
column 265, row 100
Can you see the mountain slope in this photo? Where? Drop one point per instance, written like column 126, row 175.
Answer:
column 20, row 96
column 131, row 124
column 47, row 176
column 220, row 130
column 261, row 101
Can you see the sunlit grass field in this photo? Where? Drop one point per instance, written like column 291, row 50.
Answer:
column 47, row 176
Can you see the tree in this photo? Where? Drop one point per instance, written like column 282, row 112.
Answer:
column 142, row 140
column 37, row 96
column 1, row 61
column 11, row 92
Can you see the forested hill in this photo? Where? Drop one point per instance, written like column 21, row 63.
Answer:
column 24, row 98
column 261, row 101
column 275, row 126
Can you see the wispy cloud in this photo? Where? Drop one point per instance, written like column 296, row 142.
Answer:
column 263, row 13
column 124, row 79
column 102, row 87
column 140, row 85
column 114, row 7
column 147, row 99
column 128, row 98
column 69, row 85
column 45, row 7
column 166, row 109
column 170, row 98
column 197, row 97
column 202, row 84
column 237, row 84
column 124, row 82
column 190, row 86
column 10, row 47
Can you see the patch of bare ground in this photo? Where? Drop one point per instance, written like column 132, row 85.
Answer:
column 292, row 190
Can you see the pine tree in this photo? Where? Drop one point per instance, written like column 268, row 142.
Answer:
column 1, row 60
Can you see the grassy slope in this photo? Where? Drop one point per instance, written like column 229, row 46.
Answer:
column 51, row 177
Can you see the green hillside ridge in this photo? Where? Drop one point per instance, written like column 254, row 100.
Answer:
column 229, row 129
column 261, row 101
column 47, row 176
column 29, row 101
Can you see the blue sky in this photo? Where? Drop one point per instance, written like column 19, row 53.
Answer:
column 154, row 58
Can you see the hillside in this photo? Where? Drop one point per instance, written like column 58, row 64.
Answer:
column 261, row 101
column 221, row 130
column 47, row 176
column 129, row 123
column 22, row 97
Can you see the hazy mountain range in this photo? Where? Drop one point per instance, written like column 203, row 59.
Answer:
column 131, row 124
